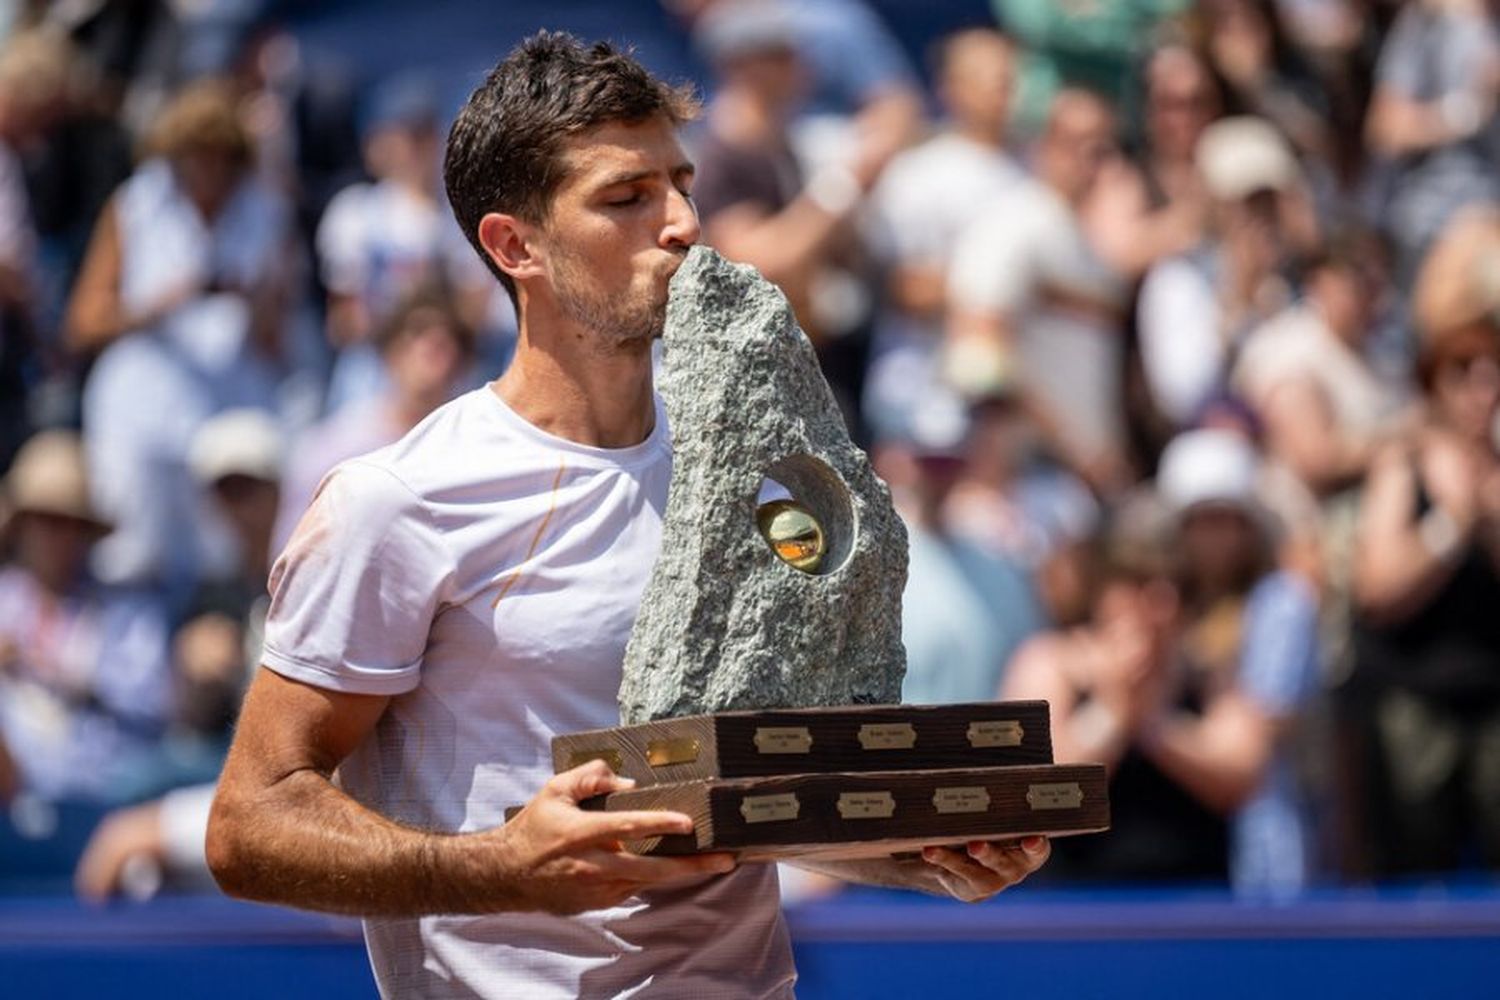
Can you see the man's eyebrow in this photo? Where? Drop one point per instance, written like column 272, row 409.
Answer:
column 631, row 176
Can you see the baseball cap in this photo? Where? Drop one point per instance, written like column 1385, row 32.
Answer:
column 239, row 442
column 1212, row 466
column 1241, row 155
column 730, row 29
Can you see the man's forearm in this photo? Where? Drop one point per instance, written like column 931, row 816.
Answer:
column 314, row 847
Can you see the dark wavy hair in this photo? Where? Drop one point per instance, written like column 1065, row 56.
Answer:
column 505, row 148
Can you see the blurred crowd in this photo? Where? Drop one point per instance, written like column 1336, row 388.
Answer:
column 1173, row 326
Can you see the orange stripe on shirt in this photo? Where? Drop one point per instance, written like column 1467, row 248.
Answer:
column 511, row 580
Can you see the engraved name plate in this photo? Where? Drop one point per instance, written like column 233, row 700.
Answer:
column 866, row 805
column 610, row 757
column 887, row 736
column 783, row 739
column 770, row 808
column 682, row 750
column 1064, row 795
column 961, row 799
column 996, row 733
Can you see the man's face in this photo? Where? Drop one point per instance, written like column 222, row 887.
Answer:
column 620, row 224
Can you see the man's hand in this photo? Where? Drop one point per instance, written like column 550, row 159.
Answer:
column 565, row 860
column 986, row 867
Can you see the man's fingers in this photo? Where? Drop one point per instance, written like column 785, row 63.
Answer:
column 649, row 870
column 987, row 868
column 588, row 779
column 1012, row 860
column 599, row 827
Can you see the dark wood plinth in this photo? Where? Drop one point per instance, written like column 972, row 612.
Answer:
column 873, row 813
column 817, row 741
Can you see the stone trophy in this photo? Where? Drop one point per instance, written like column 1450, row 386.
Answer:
column 761, row 678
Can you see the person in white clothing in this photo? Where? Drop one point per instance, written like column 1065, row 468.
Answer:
column 451, row 602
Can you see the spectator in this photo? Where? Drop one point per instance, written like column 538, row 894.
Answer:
column 1196, row 309
column 33, row 77
column 1026, row 277
column 921, row 205
column 964, row 610
column 1192, row 688
column 1264, row 74
column 1433, row 115
column 139, row 848
column 190, row 223
column 1426, row 691
column 1144, row 212
column 752, row 198
column 380, row 241
column 85, row 677
column 1324, row 406
column 425, row 346
column 237, row 456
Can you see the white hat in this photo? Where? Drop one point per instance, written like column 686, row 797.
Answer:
column 1210, row 466
column 244, row 442
column 1241, row 155
column 50, row 476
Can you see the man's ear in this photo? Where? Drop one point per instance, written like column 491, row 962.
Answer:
column 511, row 243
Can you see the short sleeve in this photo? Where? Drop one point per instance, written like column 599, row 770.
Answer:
column 354, row 593
column 1279, row 660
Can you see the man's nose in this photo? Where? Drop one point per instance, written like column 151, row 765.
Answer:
column 682, row 228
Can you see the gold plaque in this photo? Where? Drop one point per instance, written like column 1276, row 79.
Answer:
column 962, row 799
column 681, row 750
column 783, row 739
column 610, row 757
column 888, row 736
column 866, row 805
column 770, row 808
column 1065, row 795
column 996, row 733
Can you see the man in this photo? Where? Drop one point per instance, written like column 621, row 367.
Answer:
column 1027, row 275
column 453, row 601
column 923, row 202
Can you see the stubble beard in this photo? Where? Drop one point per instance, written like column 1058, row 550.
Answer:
column 618, row 326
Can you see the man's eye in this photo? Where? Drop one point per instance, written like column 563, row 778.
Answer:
column 624, row 202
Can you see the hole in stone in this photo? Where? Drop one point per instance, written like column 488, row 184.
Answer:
column 805, row 514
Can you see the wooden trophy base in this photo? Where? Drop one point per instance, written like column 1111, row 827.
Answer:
column 873, row 813
column 817, row 741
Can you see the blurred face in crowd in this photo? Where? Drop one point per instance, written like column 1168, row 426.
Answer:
column 208, row 176
column 1181, row 101
column 1220, row 548
column 249, row 503
column 407, row 152
column 427, row 357
column 53, row 547
column 977, row 81
column 1080, row 137
column 774, row 75
column 1346, row 300
column 1466, row 385
column 618, row 228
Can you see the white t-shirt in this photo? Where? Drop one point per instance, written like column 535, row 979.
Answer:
column 928, row 195
column 1023, row 256
column 487, row 575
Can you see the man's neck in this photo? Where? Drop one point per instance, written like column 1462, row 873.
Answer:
column 573, row 389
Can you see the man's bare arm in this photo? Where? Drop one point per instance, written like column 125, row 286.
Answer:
column 281, row 832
